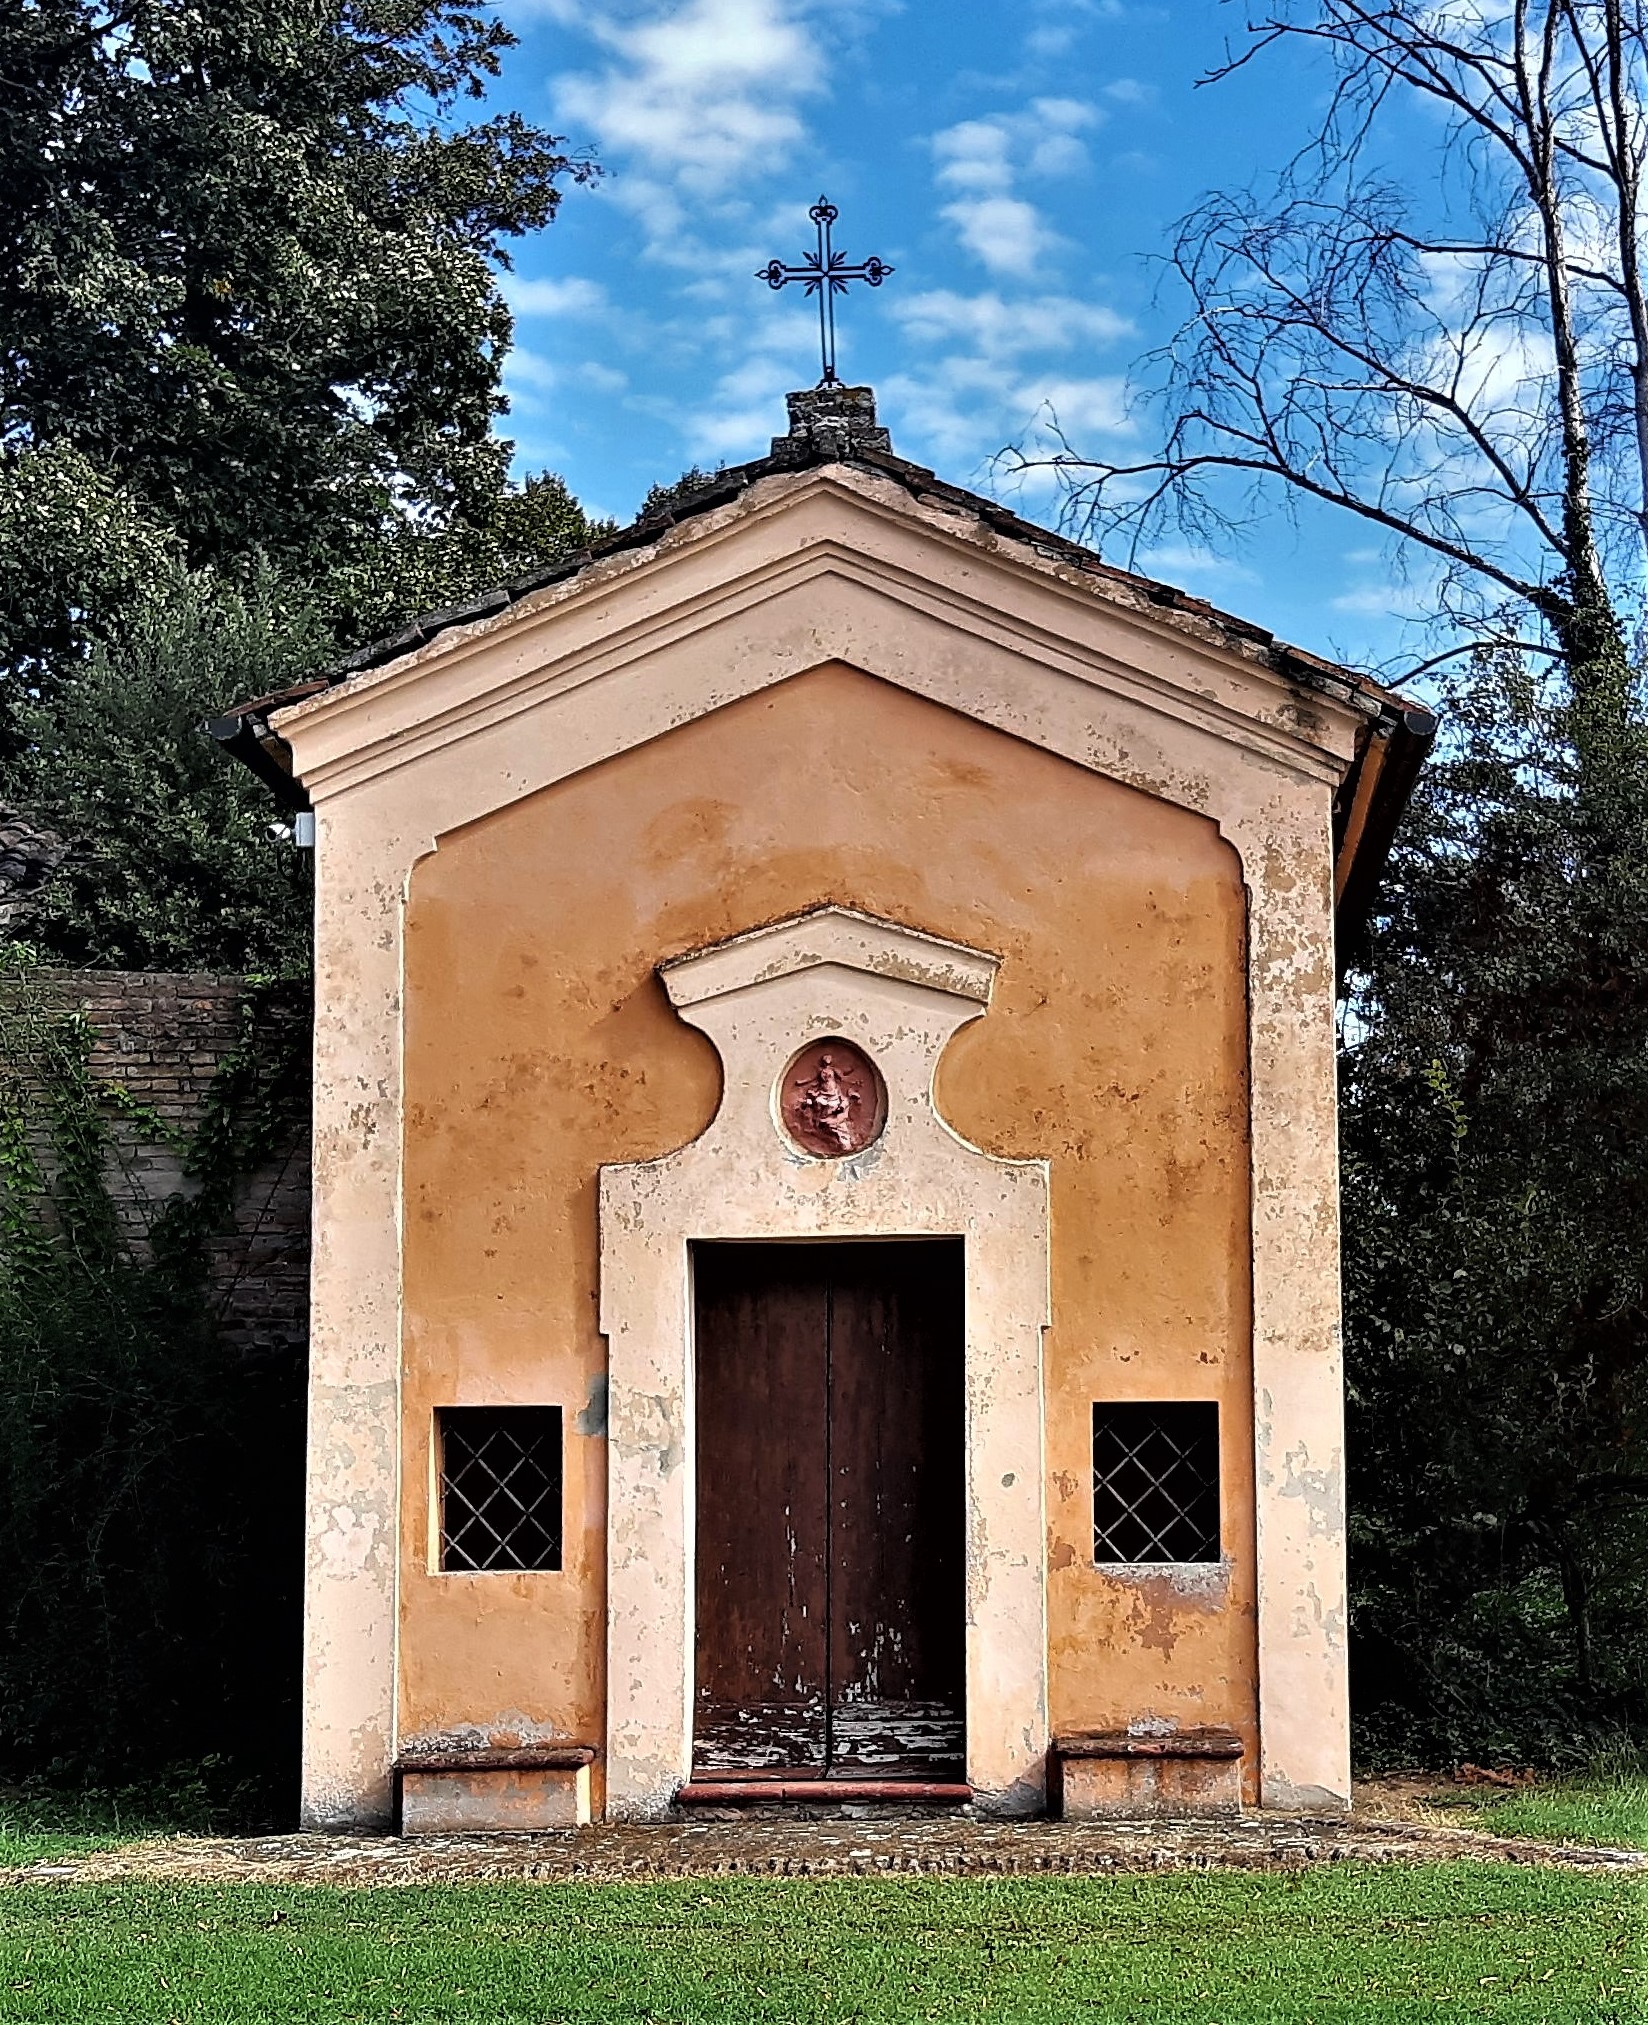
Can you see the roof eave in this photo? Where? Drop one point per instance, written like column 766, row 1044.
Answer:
column 246, row 735
column 1368, row 811
column 1367, row 808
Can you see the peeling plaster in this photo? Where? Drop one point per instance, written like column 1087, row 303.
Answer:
column 508, row 1730
column 350, row 1542
column 760, row 998
column 1322, row 1491
column 592, row 1420
column 1199, row 1585
column 1161, row 1597
column 803, row 569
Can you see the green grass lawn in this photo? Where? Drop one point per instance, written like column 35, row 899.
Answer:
column 40, row 1822
column 38, row 1833
column 1348, row 1943
column 1607, row 1808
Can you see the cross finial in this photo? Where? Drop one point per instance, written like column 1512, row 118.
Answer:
column 826, row 275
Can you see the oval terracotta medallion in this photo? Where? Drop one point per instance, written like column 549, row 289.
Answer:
column 832, row 1100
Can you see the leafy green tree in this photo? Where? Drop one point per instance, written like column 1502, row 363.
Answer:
column 177, row 860
column 248, row 298
column 1495, row 1085
column 250, row 346
column 76, row 549
column 519, row 529
column 691, row 482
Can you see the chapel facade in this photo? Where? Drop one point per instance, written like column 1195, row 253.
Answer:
column 826, row 1271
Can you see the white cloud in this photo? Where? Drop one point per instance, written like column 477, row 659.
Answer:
column 962, row 409
column 1191, row 564
column 1505, row 369
column 527, row 368
column 1064, row 21
column 700, row 111
column 1386, row 601
column 1085, row 409
column 701, row 90
column 980, row 161
column 981, row 155
column 1068, row 114
column 528, row 373
column 1004, row 233
column 601, row 378
column 1001, row 329
column 1058, row 155
column 760, row 361
column 749, row 409
column 973, row 156
column 693, row 106
column 572, row 296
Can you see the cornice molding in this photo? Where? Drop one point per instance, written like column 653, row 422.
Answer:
column 454, row 687
column 841, row 937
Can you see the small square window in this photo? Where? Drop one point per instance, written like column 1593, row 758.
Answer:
column 1156, row 1481
column 500, row 1486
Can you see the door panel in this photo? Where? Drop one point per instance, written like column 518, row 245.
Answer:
column 762, row 1662
column 831, row 1612
column 897, row 1608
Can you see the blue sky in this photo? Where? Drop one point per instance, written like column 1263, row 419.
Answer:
column 1018, row 164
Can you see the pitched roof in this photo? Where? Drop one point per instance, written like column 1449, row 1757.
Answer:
column 837, row 425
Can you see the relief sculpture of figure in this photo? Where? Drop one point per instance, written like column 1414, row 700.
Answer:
column 828, row 1102
column 831, row 1100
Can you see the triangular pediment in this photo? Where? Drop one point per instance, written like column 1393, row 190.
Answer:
column 841, row 937
column 838, row 548
column 835, row 564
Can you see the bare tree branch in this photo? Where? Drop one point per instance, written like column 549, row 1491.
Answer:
column 1460, row 361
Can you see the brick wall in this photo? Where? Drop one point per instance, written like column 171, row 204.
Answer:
column 162, row 1036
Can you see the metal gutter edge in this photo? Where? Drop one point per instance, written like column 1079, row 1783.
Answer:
column 246, row 736
column 1367, row 815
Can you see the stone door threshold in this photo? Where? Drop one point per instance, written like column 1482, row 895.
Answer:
column 822, row 1793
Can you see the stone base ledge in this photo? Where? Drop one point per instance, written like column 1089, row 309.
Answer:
column 494, row 1792
column 1113, row 1775
column 709, row 1791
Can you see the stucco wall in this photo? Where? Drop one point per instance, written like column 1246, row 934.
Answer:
column 539, row 1044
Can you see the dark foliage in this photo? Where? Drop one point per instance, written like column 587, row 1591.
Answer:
column 662, row 498
column 176, row 859
column 248, row 306
column 150, row 1475
column 251, row 338
column 1496, row 1238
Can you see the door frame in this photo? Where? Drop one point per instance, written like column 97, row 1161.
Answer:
column 899, row 995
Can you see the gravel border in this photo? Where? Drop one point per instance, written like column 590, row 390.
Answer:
column 794, row 1844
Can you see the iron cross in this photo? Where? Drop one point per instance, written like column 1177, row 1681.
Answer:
column 826, row 275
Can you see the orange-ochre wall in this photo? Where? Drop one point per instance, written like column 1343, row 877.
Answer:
column 540, row 1044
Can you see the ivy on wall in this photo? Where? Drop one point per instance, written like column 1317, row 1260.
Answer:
column 150, row 1472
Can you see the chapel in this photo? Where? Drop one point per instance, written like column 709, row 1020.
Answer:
column 826, row 1277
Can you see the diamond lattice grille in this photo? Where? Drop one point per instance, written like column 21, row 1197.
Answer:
column 1156, row 1482
column 500, row 1487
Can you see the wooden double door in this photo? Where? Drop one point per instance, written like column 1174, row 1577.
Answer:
column 831, row 1636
